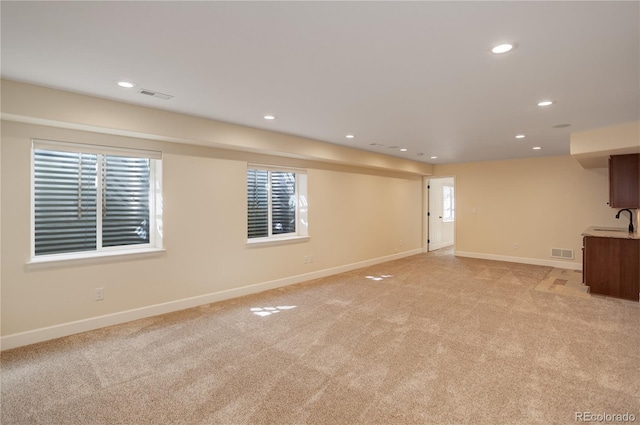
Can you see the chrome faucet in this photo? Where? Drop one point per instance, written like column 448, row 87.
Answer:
column 630, row 218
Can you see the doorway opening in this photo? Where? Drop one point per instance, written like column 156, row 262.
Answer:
column 441, row 213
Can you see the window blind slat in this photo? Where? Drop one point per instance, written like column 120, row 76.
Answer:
column 283, row 202
column 257, row 203
column 65, row 192
column 126, row 204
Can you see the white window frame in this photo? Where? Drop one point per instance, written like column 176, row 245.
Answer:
column 102, row 254
column 301, row 212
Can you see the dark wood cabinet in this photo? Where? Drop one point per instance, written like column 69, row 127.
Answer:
column 624, row 181
column 611, row 266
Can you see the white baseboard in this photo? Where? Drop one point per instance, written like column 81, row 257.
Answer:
column 70, row 328
column 524, row 260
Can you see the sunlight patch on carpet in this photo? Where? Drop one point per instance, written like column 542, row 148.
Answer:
column 378, row 278
column 268, row 311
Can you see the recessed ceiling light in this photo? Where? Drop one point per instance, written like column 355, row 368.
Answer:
column 545, row 103
column 520, row 136
column 433, row 157
column 502, row 48
column 126, row 84
column 350, row 136
column 403, row 150
column 536, row 148
column 269, row 117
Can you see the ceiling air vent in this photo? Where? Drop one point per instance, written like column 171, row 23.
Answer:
column 155, row 94
column 565, row 254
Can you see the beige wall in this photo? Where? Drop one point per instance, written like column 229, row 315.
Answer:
column 537, row 203
column 363, row 207
column 43, row 106
column 592, row 148
column 355, row 215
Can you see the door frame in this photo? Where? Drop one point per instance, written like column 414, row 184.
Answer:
column 425, row 211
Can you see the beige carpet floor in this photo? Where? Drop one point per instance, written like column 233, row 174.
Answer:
column 429, row 339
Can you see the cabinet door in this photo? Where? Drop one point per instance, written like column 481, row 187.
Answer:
column 611, row 267
column 624, row 181
column 630, row 269
column 584, row 260
column 600, row 257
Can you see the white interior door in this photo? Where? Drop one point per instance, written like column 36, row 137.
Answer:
column 441, row 214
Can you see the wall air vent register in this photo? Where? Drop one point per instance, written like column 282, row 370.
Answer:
column 565, row 254
column 155, row 94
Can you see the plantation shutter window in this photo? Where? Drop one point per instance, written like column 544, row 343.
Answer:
column 88, row 198
column 276, row 203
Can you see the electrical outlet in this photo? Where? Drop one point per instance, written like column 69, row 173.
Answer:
column 516, row 246
column 98, row 294
column 311, row 258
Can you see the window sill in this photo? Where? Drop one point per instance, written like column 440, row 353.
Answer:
column 84, row 258
column 254, row 243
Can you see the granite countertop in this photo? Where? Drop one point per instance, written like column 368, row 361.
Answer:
column 611, row 232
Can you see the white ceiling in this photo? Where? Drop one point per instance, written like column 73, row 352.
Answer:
column 417, row 75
